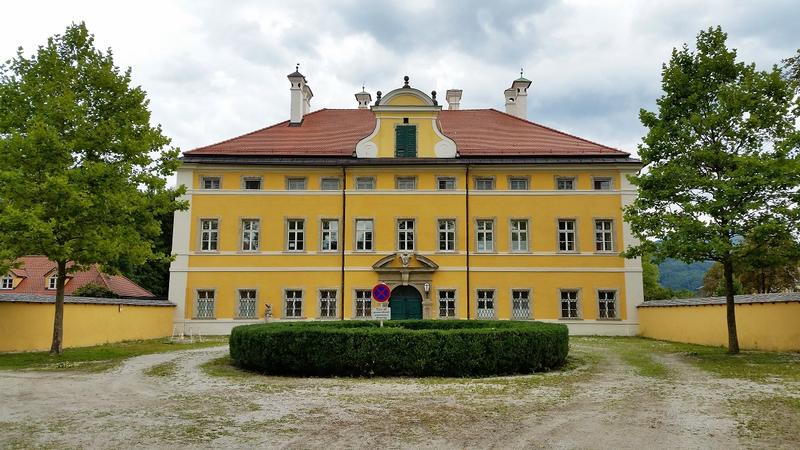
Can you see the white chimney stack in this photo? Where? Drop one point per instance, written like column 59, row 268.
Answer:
column 363, row 98
column 300, row 97
column 453, row 97
column 517, row 97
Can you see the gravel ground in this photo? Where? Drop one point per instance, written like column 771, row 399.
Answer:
column 600, row 402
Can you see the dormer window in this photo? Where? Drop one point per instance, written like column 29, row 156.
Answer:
column 405, row 141
column 7, row 282
column 52, row 282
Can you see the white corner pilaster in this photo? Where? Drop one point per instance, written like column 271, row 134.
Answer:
column 181, row 234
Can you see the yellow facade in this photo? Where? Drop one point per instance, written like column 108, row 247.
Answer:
column 760, row 326
column 29, row 326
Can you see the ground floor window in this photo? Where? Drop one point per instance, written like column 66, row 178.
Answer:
column 294, row 303
column 569, row 304
column 608, row 304
column 363, row 303
column 485, row 304
column 520, row 304
column 327, row 304
column 247, row 304
column 205, row 304
column 447, row 303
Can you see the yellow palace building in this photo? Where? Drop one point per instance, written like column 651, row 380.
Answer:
column 464, row 213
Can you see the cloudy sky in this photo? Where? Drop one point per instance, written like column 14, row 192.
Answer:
column 217, row 69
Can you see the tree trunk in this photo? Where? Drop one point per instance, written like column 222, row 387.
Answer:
column 58, row 322
column 733, row 339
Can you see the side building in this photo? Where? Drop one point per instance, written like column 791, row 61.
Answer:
column 465, row 214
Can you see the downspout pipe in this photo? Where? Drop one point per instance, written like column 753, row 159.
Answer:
column 466, row 234
column 342, row 234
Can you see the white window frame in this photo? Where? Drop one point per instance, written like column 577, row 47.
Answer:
column 480, row 180
column 363, row 233
column 293, row 243
column 290, row 183
column 362, row 304
column 484, row 235
column 332, row 235
column 571, row 180
column 325, row 301
column 247, row 179
column 483, row 296
column 241, row 299
column 323, row 180
column 292, row 303
column 566, row 233
column 7, row 282
column 602, row 297
column 519, row 234
column 449, row 307
column 576, row 300
column 52, row 282
column 449, row 233
column 604, row 235
column 404, row 243
column 203, row 180
column 446, row 180
column 210, row 235
column 212, row 299
column 399, row 180
column 251, row 234
column 519, row 297
column 516, row 179
column 371, row 186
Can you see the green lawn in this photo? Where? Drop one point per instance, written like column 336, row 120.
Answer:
column 101, row 357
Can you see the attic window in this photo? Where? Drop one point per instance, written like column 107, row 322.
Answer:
column 405, row 141
column 52, row 282
column 7, row 282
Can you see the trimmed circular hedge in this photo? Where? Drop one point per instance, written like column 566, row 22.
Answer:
column 400, row 348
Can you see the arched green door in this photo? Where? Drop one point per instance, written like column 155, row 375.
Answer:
column 406, row 303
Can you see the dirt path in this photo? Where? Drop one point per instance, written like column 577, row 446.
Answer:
column 602, row 403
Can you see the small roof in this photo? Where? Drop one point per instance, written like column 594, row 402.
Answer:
column 780, row 297
column 40, row 298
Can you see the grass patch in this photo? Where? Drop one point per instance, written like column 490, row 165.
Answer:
column 100, row 357
column 772, row 419
column 165, row 369
column 633, row 351
column 223, row 367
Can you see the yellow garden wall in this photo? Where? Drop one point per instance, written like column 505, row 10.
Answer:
column 760, row 326
column 29, row 326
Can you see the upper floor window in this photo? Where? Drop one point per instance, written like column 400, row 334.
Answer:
column 364, row 229
column 446, row 183
column 52, row 282
column 329, row 184
column 204, row 305
column 295, row 235
column 7, row 282
column 365, row 183
column 250, row 232
column 251, row 183
column 602, row 184
column 330, row 235
column 484, row 184
column 565, row 183
column 406, row 183
column 518, row 184
column 247, row 304
column 210, row 183
column 566, row 235
column 447, row 235
column 405, row 234
column 607, row 304
column 296, row 183
column 604, row 235
column 519, row 235
column 209, row 234
column 405, row 141
column 484, row 235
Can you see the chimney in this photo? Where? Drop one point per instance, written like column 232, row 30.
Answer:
column 363, row 98
column 453, row 97
column 511, row 98
column 300, row 97
column 517, row 97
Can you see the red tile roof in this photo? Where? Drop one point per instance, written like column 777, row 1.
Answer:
column 476, row 132
column 36, row 269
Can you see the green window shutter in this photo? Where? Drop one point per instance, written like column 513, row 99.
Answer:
column 405, row 141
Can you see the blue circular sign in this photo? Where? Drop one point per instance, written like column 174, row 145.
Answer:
column 381, row 292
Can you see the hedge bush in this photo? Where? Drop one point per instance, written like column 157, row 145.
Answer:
column 400, row 348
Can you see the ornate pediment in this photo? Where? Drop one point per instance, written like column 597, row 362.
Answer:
column 405, row 262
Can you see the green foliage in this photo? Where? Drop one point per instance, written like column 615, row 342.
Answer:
column 94, row 290
column 679, row 276
column 653, row 281
column 791, row 67
column 400, row 348
column 714, row 283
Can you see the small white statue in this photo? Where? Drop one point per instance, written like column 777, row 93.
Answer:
column 404, row 259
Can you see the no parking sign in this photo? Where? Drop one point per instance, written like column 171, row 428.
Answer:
column 381, row 292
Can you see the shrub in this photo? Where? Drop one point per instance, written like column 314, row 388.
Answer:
column 400, row 348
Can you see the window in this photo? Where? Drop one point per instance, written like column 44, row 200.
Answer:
column 364, row 234
column 447, row 235
column 210, row 182
column 519, row 235
column 484, row 184
column 329, row 184
column 365, row 183
column 446, row 183
column 296, row 184
column 7, row 282
column 363, row 303
column 330, row 235
column 247, row 304
column 295, row 235
column 405, row 234
column 250, row 234
column 52, row 282
column 484, row 235
column 602, row 184
column 405, row 138
column 518, row 184
column 209, row 234
column 406, row 183
column 293, row 300
column 251, row 183
column 565, row 183
column 447, row 303
column 603, row 235
column 608, row 304
column 520, row 304
column 485, row 304
column 569, row 304
column 566, row 235
column 327, row 304
column 205, row 304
